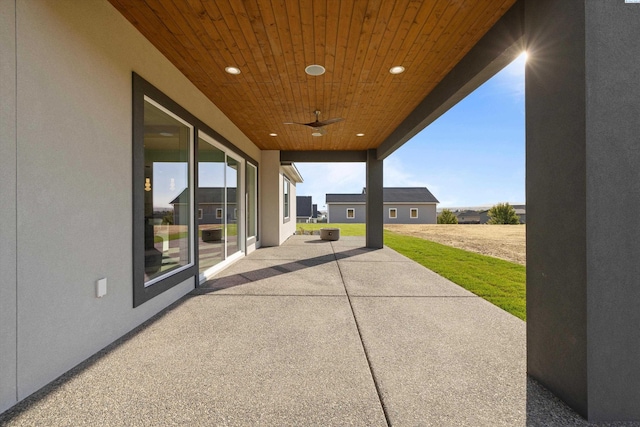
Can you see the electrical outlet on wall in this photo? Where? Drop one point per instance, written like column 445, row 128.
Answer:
column 101, row 287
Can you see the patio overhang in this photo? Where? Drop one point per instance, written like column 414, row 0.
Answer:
column 447, row 50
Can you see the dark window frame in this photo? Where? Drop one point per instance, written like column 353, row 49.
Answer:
column 140, row 89
column 254, row 238
column 286, row 199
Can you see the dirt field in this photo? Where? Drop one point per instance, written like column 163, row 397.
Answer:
column 501, row 241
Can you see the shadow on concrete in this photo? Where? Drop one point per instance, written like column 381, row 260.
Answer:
column 226, row 282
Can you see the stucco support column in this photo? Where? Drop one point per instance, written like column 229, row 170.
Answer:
column 8, row 214
column 374, row 216
column 270, row 198
column 583, row 183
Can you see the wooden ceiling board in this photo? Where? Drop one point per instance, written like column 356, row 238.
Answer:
column 272, row 41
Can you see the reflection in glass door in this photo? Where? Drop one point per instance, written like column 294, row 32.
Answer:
column 211, row 205
column 252, row 203
column 233, row 206
column 218, row 204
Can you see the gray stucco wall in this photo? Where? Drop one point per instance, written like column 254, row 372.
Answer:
column 613, row 185
column 274, row 229
column 8, row 219
column 582, row 92
column 66, row 183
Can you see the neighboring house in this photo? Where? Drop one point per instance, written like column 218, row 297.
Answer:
column 304, row 209
column 521, row 211
column 402, row 205
column 211, row 206
column 468, row 217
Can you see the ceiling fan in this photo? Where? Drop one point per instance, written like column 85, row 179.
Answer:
column 317, row 126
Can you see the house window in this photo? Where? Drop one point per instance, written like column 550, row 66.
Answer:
column 199, row 213
column 413, row 213
column 393, row 213
column 286, row 191
column 163, row 193
column 219, row 213
column 351, row 213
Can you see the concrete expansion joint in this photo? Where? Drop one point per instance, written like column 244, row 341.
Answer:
column 364, row 347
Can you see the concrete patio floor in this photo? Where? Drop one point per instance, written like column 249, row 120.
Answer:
column 311, row 333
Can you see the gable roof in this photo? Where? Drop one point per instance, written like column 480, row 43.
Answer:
column 389, row 195
column 208, row 195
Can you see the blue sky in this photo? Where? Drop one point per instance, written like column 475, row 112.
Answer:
column 473, row 155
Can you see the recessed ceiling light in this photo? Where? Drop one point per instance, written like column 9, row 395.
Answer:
column 232, row 70
column 273, row 134
column 166, row 134
column 397, row 69
column 359, row 134
column 314, row 70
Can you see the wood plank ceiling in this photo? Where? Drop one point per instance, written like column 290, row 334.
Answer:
column 272, row 41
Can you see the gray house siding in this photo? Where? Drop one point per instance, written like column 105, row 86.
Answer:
column 426, row 213
column 338, row 213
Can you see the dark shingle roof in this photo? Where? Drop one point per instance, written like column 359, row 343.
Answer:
column 389, row 195
column 345, row 198
column 208, row 195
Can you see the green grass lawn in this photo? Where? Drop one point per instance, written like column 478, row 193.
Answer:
column 500, row 282
column 345, row 229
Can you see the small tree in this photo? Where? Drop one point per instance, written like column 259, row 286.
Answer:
column 447, row 217
column 503, row 213
column 168, row 219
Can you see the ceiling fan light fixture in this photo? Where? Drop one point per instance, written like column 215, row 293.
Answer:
column 316, row 133
column 232, row 70
column 398, row 69
column 315, row 70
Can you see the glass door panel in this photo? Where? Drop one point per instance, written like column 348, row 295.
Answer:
column 211, row 205
column 252, row 201
column 233, row 205
column 167, row 193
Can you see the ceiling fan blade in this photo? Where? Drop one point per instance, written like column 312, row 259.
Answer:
column 329, row 121
column 317, row 124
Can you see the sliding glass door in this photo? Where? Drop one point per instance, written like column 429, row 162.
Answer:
column 218, row 204
column 190, row 199
column 252, row 204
